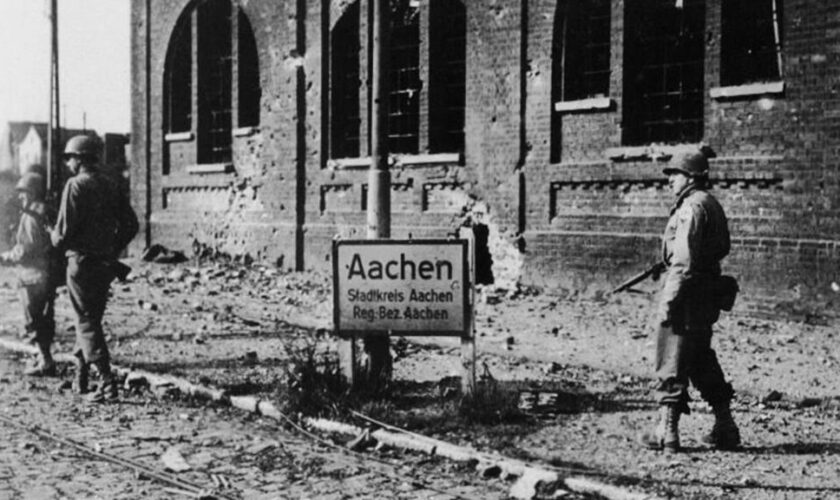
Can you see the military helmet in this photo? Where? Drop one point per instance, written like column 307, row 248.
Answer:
column 32, row 183
column 690, row 163
column 83, row 146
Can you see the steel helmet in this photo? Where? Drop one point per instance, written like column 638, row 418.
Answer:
column 690, row 163
column 32, row 183
column 82, row 145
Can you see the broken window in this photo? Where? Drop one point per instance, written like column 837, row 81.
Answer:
column 751, row 41
column 214, row 82
column 404, row 78
column 248, row 68
column 447, row 75
column 580, row 58
column 177, row 93
column 345, row 84
column 663, row 71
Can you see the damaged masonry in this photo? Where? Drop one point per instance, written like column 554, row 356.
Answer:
column 559, row 138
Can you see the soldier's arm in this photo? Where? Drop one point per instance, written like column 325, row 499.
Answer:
column 686, row 247
column 128, row 224
column 67, row 219
column 29, row 240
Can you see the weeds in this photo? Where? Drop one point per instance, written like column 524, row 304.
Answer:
column 491, row 404
column 313, row 384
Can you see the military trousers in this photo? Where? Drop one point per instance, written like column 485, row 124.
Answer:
column 38, row 301
column 88, row 283
column 685, row 356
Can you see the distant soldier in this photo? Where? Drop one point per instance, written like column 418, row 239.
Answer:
column 31, row 253
column 696, row 239
column 95, row 224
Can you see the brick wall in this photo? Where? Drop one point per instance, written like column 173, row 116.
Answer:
column 584, row 221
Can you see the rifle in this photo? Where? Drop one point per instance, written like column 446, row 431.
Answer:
column 654, row 270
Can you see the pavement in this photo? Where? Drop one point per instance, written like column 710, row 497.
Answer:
column 229, row 327
column 212, row 450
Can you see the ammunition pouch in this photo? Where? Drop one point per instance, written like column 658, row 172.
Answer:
column 704, row 298
column 726, row 289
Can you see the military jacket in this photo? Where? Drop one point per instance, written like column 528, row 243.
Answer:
column 95, row 218
column 32, row 245
column 696, row 239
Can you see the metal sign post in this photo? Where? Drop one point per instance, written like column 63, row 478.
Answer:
column 405, row 287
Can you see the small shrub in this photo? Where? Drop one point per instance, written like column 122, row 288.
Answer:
column 313, row 384
column 491, row 404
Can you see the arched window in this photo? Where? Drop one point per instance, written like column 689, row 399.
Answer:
column 248, row 69
column 214, row 82
column 177, row 94
column 344, row 90
column 211, row 78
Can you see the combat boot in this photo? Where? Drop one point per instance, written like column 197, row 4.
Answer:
column 80, row 380
column 44, row 366
column 666, row 436
column 108, row 389
column 724, row 435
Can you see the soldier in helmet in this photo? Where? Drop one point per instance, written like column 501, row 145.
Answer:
column 95, row 224
column 32, row 254
column 696, row 239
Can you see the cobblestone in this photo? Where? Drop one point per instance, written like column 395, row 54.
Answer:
column 212, row 440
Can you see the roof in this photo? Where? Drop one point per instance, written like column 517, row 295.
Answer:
column 18, row 131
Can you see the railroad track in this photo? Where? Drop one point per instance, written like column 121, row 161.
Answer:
column 230, row 456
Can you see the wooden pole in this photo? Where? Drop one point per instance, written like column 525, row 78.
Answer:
column 379, row 176
column 468, row 340
column 54, row 123
column 378, row 369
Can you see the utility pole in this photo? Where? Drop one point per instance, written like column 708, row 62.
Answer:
column 377, row 348
column 54, row 126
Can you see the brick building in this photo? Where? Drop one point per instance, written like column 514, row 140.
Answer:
column 551, row 118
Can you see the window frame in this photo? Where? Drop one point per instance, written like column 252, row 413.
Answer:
column 664, row 112
column 235, row 101
column 417, row 87
column 748, row 44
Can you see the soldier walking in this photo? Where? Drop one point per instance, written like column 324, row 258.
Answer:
column 696, row 239
column 95, row 224
column 31, row 253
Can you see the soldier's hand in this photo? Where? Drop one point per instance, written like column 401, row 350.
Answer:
column 657, row 272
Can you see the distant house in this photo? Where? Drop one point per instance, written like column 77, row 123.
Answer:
column 11, row 135
column 23, row 143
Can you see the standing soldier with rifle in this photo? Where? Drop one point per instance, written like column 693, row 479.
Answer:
column 95, row 224
column 696, row 239
column 37, row 284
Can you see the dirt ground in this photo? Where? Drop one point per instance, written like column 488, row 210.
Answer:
column 229, row 326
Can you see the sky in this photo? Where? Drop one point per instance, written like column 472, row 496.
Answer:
column 94, row 62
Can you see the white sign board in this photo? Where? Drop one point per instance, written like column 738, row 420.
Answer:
column 401, row 287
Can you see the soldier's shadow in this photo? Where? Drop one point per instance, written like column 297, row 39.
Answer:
column 796, row 448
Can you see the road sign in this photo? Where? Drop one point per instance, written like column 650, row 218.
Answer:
column 401, row 287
